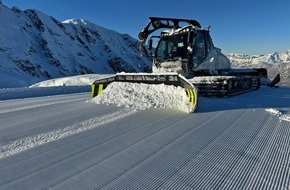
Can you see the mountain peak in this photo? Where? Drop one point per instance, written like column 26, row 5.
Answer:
column 274, row 63
column 274, row 57
column 35, row 46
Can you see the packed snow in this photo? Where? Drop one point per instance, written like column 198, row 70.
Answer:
column 144, row 96
column 21, row 145
column 240, row 142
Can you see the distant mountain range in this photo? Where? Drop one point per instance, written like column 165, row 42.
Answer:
column 272, row 58
column 35, row 47
column 275, row 63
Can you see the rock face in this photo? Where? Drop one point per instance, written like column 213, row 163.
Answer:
column 35, row 47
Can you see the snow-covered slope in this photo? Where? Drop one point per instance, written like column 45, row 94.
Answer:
column 36, row 47
column 233, row 143
column 274, row 62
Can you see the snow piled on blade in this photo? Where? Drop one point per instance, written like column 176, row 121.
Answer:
column 141, row 96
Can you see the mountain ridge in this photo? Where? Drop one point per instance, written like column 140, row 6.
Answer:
column 274, row 63
column 272, row 58
column 41, row 47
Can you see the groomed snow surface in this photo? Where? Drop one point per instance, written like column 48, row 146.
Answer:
column 67, row 141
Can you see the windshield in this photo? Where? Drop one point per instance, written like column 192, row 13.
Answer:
column 171, row 47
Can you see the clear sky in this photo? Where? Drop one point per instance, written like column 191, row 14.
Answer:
column 237, row 26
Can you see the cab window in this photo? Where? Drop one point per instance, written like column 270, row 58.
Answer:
column 199, row 51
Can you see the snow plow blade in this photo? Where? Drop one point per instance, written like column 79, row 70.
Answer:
column 168, row 79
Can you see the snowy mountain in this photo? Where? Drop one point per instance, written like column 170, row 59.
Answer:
column 36, row 47
column 275, row 63
column 272, row 58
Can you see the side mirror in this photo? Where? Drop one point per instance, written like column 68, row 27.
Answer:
column 150, row 42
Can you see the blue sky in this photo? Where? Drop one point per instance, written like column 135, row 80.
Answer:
column 237, row 26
